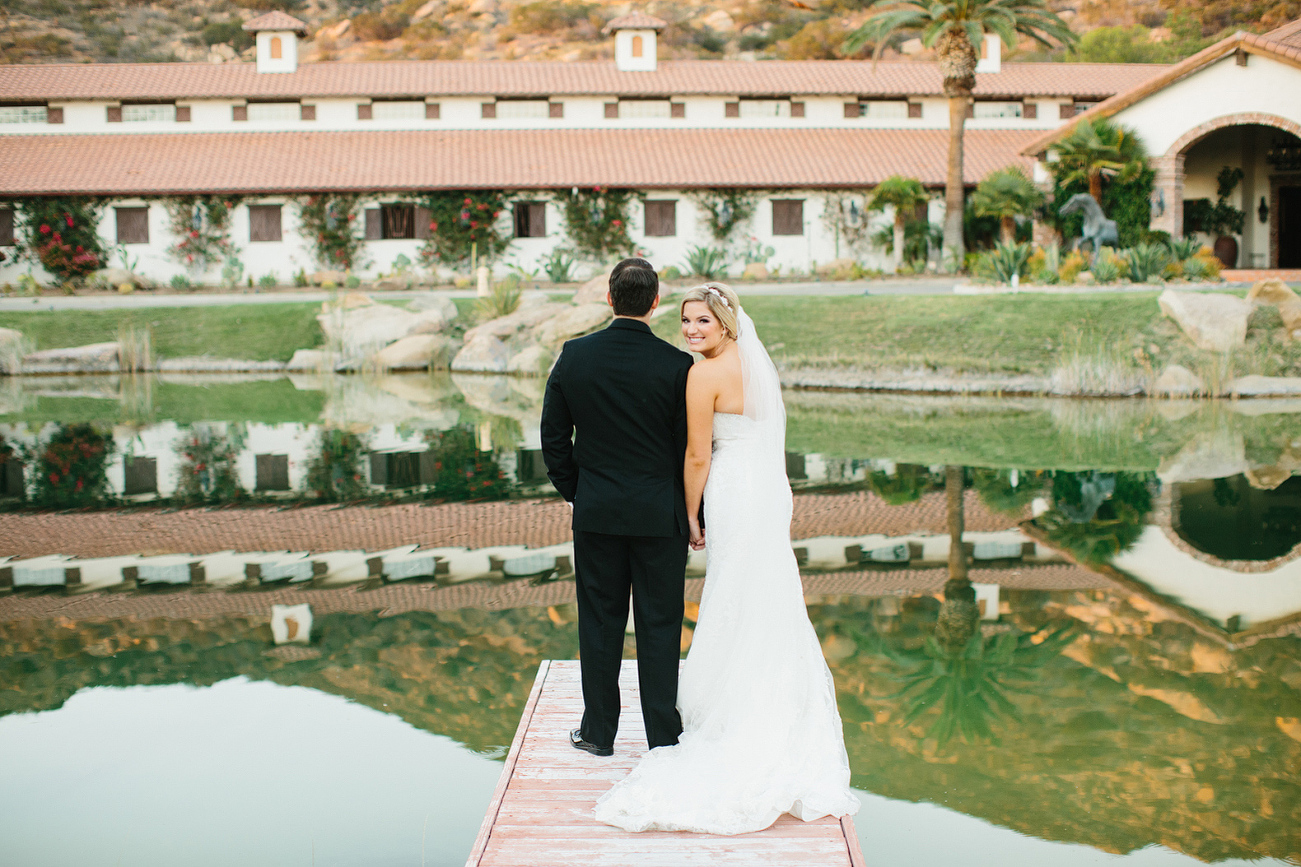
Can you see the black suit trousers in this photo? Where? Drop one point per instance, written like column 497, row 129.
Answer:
column 606, row 568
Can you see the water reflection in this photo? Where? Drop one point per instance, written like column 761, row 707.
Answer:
column 1058, row 629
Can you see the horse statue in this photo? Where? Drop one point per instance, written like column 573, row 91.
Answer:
column 1098, row 230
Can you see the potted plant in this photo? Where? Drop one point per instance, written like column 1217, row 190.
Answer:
column 1221, row 220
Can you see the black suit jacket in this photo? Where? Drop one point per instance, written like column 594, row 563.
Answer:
column 623, row 390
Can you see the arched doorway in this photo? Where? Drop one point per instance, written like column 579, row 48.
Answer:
column 1267, row 150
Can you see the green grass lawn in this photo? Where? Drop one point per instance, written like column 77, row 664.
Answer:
column 257, row 332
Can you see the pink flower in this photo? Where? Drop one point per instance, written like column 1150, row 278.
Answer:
column 68, row 217
column 45, row 229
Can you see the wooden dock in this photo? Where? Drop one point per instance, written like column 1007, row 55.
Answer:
column 541, row 811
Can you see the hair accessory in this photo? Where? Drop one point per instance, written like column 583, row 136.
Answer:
column 713, row 290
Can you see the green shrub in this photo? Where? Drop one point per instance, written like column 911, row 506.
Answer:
column 300, row 278
column 502, row 300
column 181, row 283
column 1184, row 248
column 670, row 273
column 706, row 262
column 1003, row 262
column 1196, row 268
column 559, row 266
column 1107, row 266
column 268, row 280
column 1071, row 266
column 352, row 281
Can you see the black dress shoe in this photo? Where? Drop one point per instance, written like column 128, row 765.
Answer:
column 576, row 738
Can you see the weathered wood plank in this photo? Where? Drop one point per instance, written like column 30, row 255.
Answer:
column 541, row 813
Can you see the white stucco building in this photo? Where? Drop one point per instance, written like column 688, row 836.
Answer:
column 1235, row 104
column 797, row 135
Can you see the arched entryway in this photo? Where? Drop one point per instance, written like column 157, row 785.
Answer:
column 1267, row 149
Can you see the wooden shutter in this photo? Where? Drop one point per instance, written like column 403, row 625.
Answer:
column 914, row 110
column 423, row 218
column 488, row 110
column 612, row 109
column 54, row 115
column 115, row 114
column 141, row 475
column 555, row 109
column 11, row 478
column 403, row 470
column 428, row 467
column 795, row 466
column 1030, row 110
column 6, row 227
column 182, row 114
column 537, row 220
column 374, row 224
column 852, row 110
column 307, row 112
column 378, row 468
column 239, row 112
column 365, row 111
column 132, row 225
column 661, row 219
column 397, row 221
column 971, row 109
column 1066, row 111
column 920, row 211
column 732, row 109
column 788, row 216
column 433, row 110
column 677, row 109
column 264, row 223
column 272, row 472
column 797, row 109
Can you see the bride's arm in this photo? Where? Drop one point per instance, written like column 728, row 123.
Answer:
column 701, row 394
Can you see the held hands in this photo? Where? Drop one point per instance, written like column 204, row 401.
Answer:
column 697, row 534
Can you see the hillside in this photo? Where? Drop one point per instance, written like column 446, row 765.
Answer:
column 61, row 31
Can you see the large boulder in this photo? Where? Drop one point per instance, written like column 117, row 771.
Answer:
column 417, row 352
column 532, row 360
column 1278, row 294
column 116, row 277
column 1256, row 385
column 483, row 353
column 11, row 351
column 320, row 278
column 437, row 301
column 92, row 358
column 1212, row 320
column 359, row 327
column 1208, row 455
column 572, row 322
column 309, row 360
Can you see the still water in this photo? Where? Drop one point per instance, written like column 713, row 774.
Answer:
column 1115, row 683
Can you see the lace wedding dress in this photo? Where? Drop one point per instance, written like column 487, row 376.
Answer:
column 762, row 735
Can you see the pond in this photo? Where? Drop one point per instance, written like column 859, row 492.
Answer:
column 1118, row 679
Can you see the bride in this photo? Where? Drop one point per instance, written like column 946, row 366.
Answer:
column 762, row 735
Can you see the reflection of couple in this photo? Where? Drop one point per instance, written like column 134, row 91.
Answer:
column 634, row 435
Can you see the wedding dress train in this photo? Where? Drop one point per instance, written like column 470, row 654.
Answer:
column 762, row 735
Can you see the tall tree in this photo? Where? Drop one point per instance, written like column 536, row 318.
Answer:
column 955, row 28
column 1006, row 194
column 1099, row 149
column 903, row 195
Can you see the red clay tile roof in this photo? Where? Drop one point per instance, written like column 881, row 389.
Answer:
column 275, row 21
column 286, row 162
column 115, row 81
column 635, row 21
column 1286, row 50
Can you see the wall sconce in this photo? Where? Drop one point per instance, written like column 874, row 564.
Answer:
column 1263, row 211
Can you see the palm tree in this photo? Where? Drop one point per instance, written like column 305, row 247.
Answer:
column 1006, row 194
column 959, row 614
column 1099, row 149
column 904, row 195
column 955, row 28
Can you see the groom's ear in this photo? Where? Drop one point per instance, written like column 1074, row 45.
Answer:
column 655, row 302
column 609, row 299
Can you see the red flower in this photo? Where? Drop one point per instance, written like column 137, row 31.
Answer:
column 194, row 233
column 80, row 484
column 68, row 217
column 482, row 206
column 433, row 227
column 45, row 229
column 617, row 222
column 80, row 249
column 54, row 478
column 58, row 239
column 467, row 201
column 474, row 224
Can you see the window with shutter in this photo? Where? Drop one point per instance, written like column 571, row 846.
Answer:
column 378, row 468
column 403, row 470
column 365, row 111
column 6, row 227
column 54, row 115
column 797, row 109
column 914, row 110
column 423, row 219
column 398, row 221
column 132, row 225
column 788, row 216
column 732, row 109
column 307, row 112
column 374, row 226
column 488, row 110
column 556, row 109
column 239, row 112
column 264, row 223
column 1066, row 111
column 530, row 220
column 272, row 472
column 182, row 114
column 141, row 475
column 1030, row 111
column 433, row 110
column 114, row 114
column 612, row 109
column 677, row 109
column 852, row 110
column 11, row 478
column 661, row 218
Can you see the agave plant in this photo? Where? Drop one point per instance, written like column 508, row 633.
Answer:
column 1108, row 268
column 1184, row 248
column 1196, row 268
column 707, row 262
column 1147, row 261
column 1004, row 262
column 559, row 266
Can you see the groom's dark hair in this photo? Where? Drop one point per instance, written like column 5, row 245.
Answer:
column 633, row 287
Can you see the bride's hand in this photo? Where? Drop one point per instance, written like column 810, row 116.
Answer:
column 697, row 535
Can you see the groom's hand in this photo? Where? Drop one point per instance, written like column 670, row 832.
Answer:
column 697, row 536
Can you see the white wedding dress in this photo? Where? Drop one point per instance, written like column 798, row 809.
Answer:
column 762, row 735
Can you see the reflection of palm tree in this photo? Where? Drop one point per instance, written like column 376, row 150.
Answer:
column 1096, row 516
column 958, row 668
column 907, row 484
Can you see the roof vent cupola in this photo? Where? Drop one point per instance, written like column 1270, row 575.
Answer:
column 634, row 41
column 277, row 41
column 991, row 54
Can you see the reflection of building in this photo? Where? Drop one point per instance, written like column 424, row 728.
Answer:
column 786, row 132
column 1233, row 105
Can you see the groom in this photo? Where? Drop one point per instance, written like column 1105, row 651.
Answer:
column 614, row 433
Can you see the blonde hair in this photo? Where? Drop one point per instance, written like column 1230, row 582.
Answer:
column 721, row 301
